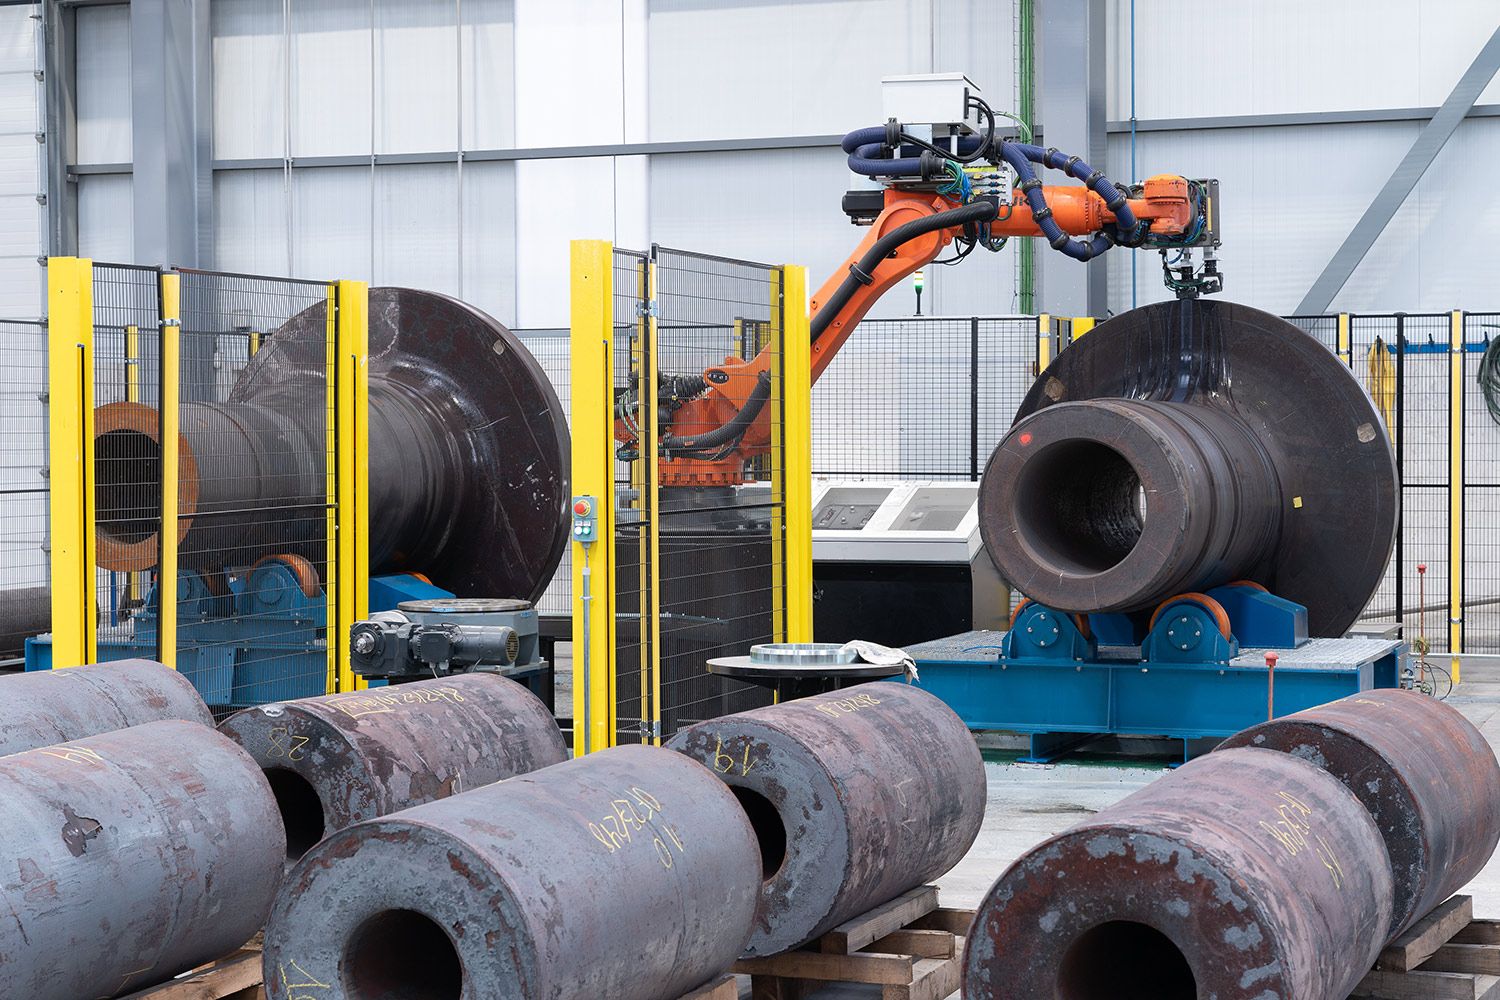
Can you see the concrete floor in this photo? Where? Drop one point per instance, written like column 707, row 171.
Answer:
column 1030, row 802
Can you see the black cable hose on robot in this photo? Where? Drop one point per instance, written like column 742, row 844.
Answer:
column 974, row 212
column 731, row 429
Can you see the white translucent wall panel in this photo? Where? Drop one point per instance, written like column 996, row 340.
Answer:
column 103, row 82
column 1279, row 232
column 489, row 243
column 489, row 83
column 776, row 206
column 557, row 201
column 331, row 82
column 106, row 222
column 249, row 67
column 570, row 71
column 21, row 218
column 331, row 229
column 1195, row 58
column 250, row 221
column 742, row 68
column 977, row 37
column 416, row 75
column 417, row 239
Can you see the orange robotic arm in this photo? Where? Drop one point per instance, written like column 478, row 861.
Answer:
column 710, row 436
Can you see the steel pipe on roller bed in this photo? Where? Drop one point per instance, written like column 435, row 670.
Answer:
column 1244, row 875
column 41, row 707
column 341, row 758
column 468, row 455
column 1189, row 444
column 1426, row 775
column 629, row 874
column 856, row 797
column 131, row 857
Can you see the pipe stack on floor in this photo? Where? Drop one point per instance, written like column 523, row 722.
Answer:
column 140, row 842
column 1250, row 872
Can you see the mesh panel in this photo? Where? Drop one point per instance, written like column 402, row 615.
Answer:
column 24, row 598
column 256, row 559
column 1481, row 476
column 718, row 560
column 550, row 348
column 127, row 457
column 632, row 713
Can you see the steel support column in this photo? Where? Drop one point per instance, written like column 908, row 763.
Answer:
column 1071, row 59
column 1393, row 195
column 59, row 78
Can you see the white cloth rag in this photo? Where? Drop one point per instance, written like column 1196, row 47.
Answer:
column 885, row 656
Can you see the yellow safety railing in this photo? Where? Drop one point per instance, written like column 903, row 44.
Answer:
column 70, row 389
column 169, row 430
column 351, row 382
column 796, row 457
column 593, row 474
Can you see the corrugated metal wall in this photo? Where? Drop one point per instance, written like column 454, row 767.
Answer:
column 296, row 79
column 22, row 219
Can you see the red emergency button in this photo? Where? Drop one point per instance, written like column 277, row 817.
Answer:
column 582, row 508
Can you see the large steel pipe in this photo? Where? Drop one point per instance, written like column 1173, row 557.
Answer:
column 336, row 760
column 856, row 797
column 1244, row 875
column 1426, row 775
column 1189, row 444
column 42, row 707
column 629, row 874
column 468, row 455
column 131, row 857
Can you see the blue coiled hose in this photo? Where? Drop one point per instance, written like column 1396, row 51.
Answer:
column 867, row 148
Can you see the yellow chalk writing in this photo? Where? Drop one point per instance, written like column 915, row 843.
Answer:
column 724, row 763
column 74, row 755
column 305, row 981
column 848, row 706
column 1293, row 830
column 389, row 700
column 285, row 744
column 631, row 814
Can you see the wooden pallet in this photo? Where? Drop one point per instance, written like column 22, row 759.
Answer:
column 234, row 977
column 911, row 948
column 1447, row 955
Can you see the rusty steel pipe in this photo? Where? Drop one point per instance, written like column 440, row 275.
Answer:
column 468, row 456
column 629, row 874
column 1244, row 875
column 42, row 707
column 342, row 758
column 856, row 796
column 1426, row 775
column 131, row 857
column 1189, row 444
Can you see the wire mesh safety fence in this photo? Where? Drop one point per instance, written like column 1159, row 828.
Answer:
column 127, row 474
column 24, row 597
column 256, row 554
column 632, row 687
column 550, row 348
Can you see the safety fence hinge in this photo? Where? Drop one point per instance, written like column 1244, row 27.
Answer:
column 646, row 308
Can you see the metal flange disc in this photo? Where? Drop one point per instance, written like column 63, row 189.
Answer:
column 1337, row 472
column 500, row 415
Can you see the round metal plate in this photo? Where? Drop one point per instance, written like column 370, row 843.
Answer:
column 805, row 654
column 501, row 411
column 463, row 606
column 1339, row 481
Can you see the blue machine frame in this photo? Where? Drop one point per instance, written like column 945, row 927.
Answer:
column 1065, row 679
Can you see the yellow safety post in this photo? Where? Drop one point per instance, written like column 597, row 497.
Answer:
column 70, row 394
column 1346, row 344
column 1043, row 342
column 650, row 556
column 168, row 428
column 352, row 408
column 254, row 345
column 591, row 365
column 1456, row 490
column 796, row 460
column 1080, row 325
column 133, row 579
column 775, row 341
column 332, row 668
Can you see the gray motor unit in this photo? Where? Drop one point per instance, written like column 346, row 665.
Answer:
column 451, row 635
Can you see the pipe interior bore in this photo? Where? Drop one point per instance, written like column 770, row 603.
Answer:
column 127, row 485
column 1081, row 506
column 401, row 953
column 1125, row 960
column 301, row 810
column 770, row 829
